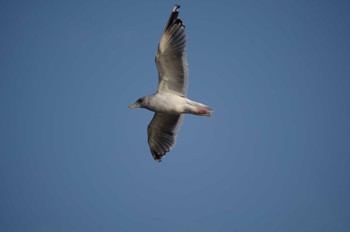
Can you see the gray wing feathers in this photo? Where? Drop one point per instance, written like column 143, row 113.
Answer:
column 162, row 132
column 171, row 57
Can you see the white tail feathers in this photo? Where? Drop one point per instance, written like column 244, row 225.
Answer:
column 197, row 108
column 205, row 111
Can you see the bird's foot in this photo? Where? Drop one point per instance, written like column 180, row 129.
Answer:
column 203, row 112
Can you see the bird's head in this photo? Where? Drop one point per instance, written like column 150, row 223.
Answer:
column 140, row 103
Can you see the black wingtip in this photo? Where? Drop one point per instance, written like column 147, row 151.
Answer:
column 173, row 16
column 157, row 156
column 176, row 8
column 179, row 21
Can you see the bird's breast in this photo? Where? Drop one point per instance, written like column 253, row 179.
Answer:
column 172, row 104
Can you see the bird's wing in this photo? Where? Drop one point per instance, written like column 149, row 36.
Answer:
column 171, row 57
column 162, row 132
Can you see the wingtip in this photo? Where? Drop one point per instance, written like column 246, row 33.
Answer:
column 158, row 159
column 176, row 8
column 157, row 156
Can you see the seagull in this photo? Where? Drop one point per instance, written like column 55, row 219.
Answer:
column 170, row 102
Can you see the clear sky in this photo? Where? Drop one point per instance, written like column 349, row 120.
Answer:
column 275, row 157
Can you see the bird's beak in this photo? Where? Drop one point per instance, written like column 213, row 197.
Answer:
column 132, row 106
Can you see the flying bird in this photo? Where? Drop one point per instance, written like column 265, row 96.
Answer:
column 170, row 102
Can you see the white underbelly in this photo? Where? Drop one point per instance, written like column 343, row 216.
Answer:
column 169, row 104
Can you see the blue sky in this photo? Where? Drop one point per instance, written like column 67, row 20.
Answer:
column 275, row 157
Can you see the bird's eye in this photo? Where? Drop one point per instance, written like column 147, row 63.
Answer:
column 140, row 100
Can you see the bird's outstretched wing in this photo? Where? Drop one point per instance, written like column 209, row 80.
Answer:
column 171, row 57
column 162, row 132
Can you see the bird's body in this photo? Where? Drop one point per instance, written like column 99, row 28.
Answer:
column 175, row 104
column 170, row 101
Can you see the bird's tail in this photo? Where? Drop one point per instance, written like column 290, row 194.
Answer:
column 197, row 108
column 205, row 110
